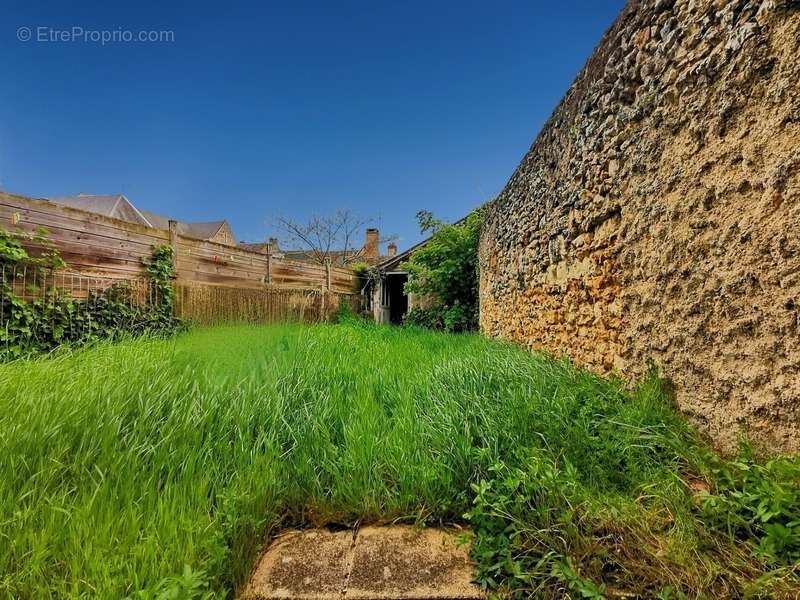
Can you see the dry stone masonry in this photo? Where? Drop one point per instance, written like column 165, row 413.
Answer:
column 656, row 218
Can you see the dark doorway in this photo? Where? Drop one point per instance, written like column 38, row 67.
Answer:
column 398, row 301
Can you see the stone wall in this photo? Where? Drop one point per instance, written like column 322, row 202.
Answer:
column 656, row 218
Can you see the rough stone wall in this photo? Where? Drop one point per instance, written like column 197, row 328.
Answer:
column 656, row 217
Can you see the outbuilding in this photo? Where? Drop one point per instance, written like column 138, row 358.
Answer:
column 386, row 295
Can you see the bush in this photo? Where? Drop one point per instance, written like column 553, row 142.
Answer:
column 422, row 317
column 445, row 270
column 53, row 318
column 345, row 313
column 361, row 268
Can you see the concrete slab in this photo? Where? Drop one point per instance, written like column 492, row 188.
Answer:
column 386, row 563
column 404, row 563
column 302, row 565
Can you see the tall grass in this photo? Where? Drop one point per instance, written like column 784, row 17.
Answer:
column 150, row 467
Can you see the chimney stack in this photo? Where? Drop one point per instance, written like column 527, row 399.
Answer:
column 273, row 244
column 372, row 245
column 392, row 249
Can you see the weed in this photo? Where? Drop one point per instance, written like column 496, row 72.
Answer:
column 758, row 501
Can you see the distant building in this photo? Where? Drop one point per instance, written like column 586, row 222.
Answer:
column 386, row 295
column 388, row 301
column 369, row 253
column 261, row 247
column 117, row 206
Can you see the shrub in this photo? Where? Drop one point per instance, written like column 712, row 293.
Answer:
column 344, row 313
column 424, row 317
column 53, row 318
column 445, row 270
column 360, row 268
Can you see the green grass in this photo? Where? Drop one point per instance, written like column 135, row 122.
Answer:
column 151, row 468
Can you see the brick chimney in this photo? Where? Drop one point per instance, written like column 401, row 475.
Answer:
column 392, row 249
column 372, row 244
column 273, row 245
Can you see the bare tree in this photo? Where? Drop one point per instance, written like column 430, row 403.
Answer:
column 335, row 237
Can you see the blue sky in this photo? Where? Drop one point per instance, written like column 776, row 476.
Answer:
column 264, row 109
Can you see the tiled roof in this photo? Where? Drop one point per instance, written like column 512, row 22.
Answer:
column 201, row 231
column 337, row 256
column 117, row 206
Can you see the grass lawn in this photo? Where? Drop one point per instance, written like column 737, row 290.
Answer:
column 157, row 468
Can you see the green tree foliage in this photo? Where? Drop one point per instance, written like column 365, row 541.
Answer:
column 445, row 272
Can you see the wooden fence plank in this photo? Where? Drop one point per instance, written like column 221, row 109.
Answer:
column 102, row 245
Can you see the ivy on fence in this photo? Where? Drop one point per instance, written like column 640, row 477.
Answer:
column 37, row 315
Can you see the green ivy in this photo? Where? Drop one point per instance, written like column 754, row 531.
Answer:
column 161, row 271
column 53, row 318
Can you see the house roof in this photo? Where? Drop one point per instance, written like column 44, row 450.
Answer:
column 253, row 246
column 393, row 262
column 336, row 256
column 117, row 206
column 201, row 231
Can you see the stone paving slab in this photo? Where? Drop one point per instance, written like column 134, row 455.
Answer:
column 386, row 563
column 302, row 565
column 407, row 563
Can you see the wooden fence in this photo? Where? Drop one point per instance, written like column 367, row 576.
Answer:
column 215, row 282
column 35, row 284
column 206, row 304
column 197, row 303
column 99, row 245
